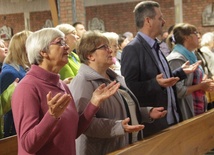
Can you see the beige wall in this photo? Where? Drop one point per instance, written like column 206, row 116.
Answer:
column 116, row 14
column 19, row 6
column 104, row 2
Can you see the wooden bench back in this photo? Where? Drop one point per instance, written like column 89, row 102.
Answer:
column 9, row 146
column 191, row 137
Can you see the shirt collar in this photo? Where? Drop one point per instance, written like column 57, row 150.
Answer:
column 149, row 40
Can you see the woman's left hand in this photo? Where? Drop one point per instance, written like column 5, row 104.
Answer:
column 103, row 92
column 187, row 68
column 131, row 128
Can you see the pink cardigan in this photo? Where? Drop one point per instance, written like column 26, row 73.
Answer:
column 38, row 132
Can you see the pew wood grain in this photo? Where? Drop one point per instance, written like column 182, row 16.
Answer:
column 191, row 137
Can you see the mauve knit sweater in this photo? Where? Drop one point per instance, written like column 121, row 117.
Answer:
column 38, row 132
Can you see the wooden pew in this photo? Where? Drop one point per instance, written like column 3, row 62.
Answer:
column 191, row 137
column 8, row 146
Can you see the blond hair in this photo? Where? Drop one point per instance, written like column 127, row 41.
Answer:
column 17, row 55
column 66, row 28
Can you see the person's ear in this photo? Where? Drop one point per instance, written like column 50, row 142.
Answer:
column 44, row 54
column 91, row 57
column 147, row 21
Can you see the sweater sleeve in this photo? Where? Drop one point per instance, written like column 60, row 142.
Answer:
column 86, row 118
column 100, row 126
column 145, row 111
column 32, row 130
column 181, row 87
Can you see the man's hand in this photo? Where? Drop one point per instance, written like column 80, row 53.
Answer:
column 166, row 82
column 157, row 112
column 190, row 68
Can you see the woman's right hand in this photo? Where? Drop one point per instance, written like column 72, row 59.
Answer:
column 67, row 80
column 131, row 128
column 207, row 85
column 57, row 104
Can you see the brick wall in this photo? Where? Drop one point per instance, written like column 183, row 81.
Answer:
column 120, row 18
column 193, row 13
column 37, row 19
column 15, row 21
column 80, row 11
column 66, row 13
column 117, row 18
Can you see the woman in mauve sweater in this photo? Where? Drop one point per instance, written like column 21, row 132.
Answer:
column 45, row 116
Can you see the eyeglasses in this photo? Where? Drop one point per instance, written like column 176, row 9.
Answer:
column 105, row 47
column 196, row 33
column 59, row 41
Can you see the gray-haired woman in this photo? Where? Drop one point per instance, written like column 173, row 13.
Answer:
column 119, row 119
column 44, row 112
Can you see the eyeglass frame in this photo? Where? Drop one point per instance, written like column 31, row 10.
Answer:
column 105, row 46
column 196, row 33
column 59, row 41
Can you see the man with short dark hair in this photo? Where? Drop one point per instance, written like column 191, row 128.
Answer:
column 80, row 28
column 146, row 70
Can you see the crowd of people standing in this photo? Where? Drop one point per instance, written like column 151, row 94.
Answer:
column 65, row 90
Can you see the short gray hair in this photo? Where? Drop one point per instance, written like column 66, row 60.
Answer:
column 144, row 9
column 39, row 41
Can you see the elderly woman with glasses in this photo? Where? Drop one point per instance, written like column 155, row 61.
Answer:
column 191, row 91
column 119, row 119
column 44, row 112
column 71, row 68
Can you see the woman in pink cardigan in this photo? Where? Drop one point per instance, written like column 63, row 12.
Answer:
column 45, row 116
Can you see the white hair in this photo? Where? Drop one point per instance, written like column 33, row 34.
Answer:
column 111, row 36
column 207, row 38
column 39, row 41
